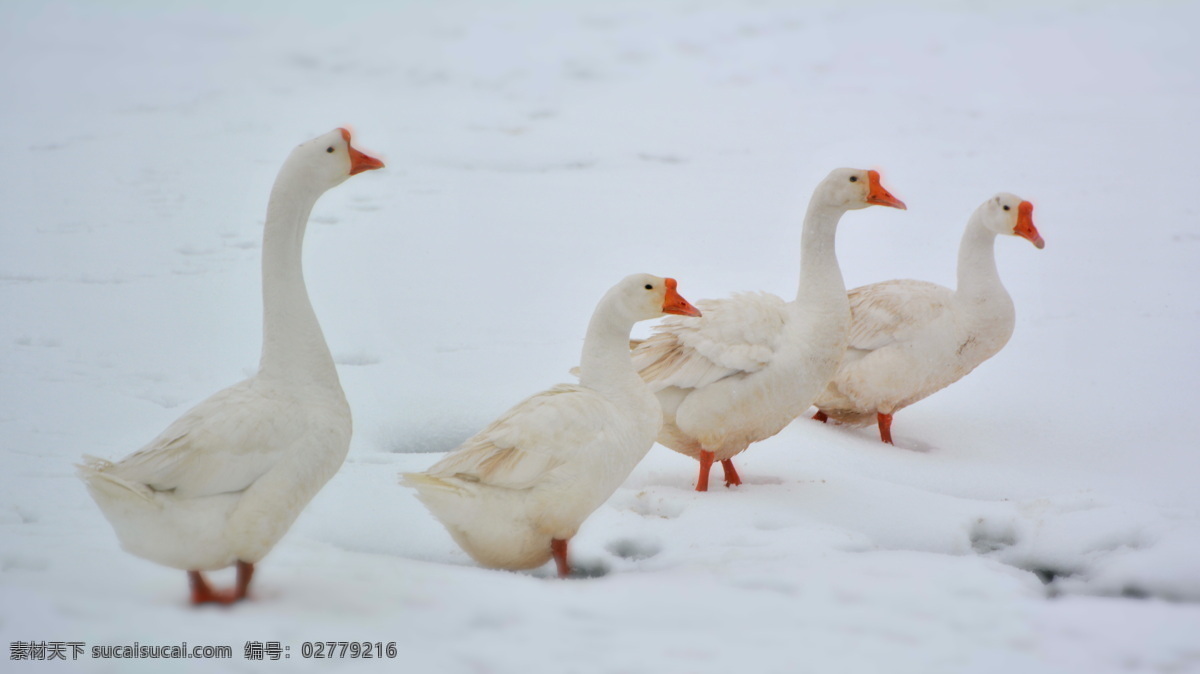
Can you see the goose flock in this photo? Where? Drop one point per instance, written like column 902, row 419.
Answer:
column 223, row 483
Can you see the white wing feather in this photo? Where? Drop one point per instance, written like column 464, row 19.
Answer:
column 531, row 440
column 737, row 335
column 216, row 447
column 893, row 311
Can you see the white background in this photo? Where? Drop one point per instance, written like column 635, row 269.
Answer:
column 537, row 152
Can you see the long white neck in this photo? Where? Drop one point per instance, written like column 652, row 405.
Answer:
column 293, row 346
column 820, row 276
column 605, row 364
column 978, row 279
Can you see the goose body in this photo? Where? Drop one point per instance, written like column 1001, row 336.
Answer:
column 224, row 482
column 516, row 492
column 909, row 339
column 754, row 362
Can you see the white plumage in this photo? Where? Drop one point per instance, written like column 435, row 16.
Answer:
column 224, row 482
column 516, row 492
column 754, row 362
column 910, row 339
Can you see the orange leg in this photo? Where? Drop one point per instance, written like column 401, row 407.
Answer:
column 245, row 571
column 706, row 461
column 558, row 548
column 202, row 592
column 885, row 427
column 821, row 416
column 731, row 476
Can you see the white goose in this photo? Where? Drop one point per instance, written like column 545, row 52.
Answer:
column 224, row 482
column 910, row 339
column 513, row 495
column 755, row 362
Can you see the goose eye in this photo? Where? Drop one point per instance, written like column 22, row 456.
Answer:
column 329, row 149
column 649, row 287
column 1006, row 207
column 853, row 179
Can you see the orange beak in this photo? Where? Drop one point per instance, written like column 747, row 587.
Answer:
column 359, row 162
column 1025, row 228
column 673, row 303
column 879, row 196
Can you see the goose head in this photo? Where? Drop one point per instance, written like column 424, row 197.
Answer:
column 325, row 162
column 851, row 189
column 645, row 296
column 1010, row 215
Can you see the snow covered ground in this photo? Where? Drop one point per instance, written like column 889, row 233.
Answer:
column 1040, row 516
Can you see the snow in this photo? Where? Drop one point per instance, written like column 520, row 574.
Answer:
column 1039, row 516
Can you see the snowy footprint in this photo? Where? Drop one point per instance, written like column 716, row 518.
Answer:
column 634, row 550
